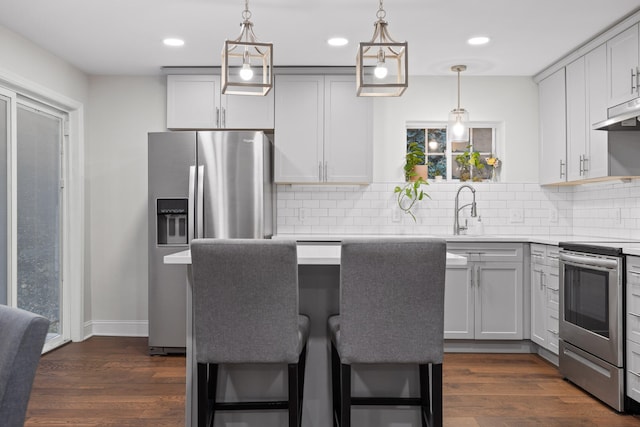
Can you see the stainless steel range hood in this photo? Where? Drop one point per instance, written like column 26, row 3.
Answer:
column 621, row 117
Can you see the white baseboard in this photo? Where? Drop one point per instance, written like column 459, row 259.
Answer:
column 116, row 328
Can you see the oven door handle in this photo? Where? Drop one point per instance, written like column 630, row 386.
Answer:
column 610, row 264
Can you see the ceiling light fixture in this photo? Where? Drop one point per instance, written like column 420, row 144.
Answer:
column 337, row 41
column 381, row 64
column 247, row 64
column 477, row 41
column 458, row 126
column 173, row 42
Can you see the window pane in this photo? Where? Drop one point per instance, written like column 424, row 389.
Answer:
column 437, row 164
column 38, row 177
column 483, row 140
column 4, row 128
column 417, row 136
column 459, row 147
column 437, row 140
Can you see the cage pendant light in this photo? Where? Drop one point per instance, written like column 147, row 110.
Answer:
column 247, row 64
column 381, row 64
column 458, row 126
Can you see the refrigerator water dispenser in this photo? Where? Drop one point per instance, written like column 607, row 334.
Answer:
column 171, row 221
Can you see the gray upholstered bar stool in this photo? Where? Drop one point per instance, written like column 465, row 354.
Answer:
column 245, row 301
column 391, row 312
column 22, row 335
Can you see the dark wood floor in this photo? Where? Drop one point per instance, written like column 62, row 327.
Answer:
column 107, row 381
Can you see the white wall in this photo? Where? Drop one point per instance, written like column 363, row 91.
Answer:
column 123, row 110
column 511, row 100
column 21, row 58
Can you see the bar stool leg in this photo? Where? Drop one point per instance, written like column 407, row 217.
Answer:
column 335, row 385
column 293, row 395
column 203, row 401
column 425, row 397
column 436, row 401
column 345, row 401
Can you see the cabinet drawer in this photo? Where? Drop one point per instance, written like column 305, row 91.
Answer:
column 633, row 312
column 633, row 370
column 553, row 330
column 633, row 270
column 488, row 252
column 552, row 256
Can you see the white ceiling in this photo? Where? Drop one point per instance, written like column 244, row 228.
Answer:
column 124, row 36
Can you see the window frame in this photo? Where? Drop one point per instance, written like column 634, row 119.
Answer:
column 497, row 142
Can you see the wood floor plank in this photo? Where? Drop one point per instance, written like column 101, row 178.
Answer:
column 112, row 381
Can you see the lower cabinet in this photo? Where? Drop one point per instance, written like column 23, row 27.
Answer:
column 633, row 328
column 545, row 296
column 484, row 299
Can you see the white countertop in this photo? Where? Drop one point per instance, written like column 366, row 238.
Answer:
column 308, row 254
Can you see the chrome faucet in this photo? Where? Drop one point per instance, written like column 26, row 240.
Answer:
column 474, row 213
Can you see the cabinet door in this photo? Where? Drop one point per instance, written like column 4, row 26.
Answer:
column 633, row 299
column 348, row 147
column 597, row 164
column 538, row 301
column 498, row 311
column 193, row 102
column 459, row 303
column 248, row 112
column 299, row 124
column 622, row 63
column 576, row 119
column 553, row 134
column 633, row 370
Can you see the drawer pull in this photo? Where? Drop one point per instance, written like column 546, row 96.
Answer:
column 634, row 373
column 634, row 314
column 554, row 332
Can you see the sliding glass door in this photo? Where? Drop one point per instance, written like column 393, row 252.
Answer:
column 4, row 205
column 38, row 198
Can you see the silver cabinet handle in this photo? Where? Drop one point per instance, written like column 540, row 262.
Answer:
column 633, row 83
column 319, row 171
column 223, row 113
column 191, row 201
column 562, row 164
column 325, row 172
column 634, row 373
column 217, row 117
column 581, row 164
column 585, row 164
column 634, row 314
column 200, row 202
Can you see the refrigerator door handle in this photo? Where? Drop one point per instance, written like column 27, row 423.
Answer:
column 190, row 205
column 200, row 203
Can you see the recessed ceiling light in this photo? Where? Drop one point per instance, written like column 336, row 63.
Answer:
column 173, row 42
column 477, row 41
column 337, row 41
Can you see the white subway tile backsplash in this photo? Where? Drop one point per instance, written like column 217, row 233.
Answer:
column 610, row 209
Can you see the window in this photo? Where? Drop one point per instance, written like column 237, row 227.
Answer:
column 441, row 154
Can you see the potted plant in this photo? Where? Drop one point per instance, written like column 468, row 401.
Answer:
column 414, row 166
column 468, row 160
column 411, row 192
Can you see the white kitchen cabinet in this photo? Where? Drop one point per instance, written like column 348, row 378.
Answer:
column 623, row 58
column 633, row 327
column 545, row 296
column 553, row 129
column 484, row 299
column 196, row 102
column 597, row 163
column 323, row 130
column 576, row 98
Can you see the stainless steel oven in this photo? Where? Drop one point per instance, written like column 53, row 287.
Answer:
column 591, row 320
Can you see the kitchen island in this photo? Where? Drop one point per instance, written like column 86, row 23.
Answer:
column 319, row 270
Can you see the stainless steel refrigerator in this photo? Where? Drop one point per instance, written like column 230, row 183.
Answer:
column 201, row 184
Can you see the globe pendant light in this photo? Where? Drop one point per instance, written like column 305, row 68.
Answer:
column 381, row 64
column 458, row 126
column 247, row 64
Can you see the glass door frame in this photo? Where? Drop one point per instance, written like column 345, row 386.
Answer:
column 12, row 298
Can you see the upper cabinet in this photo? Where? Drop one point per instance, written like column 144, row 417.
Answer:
column 196, row 102
column 323, row 130
column 553, row 129
column 623, row 60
